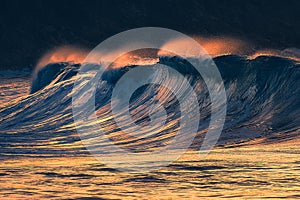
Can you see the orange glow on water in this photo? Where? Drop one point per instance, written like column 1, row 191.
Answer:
column 275, row 52
column 78, row 55
column 138, row 57
column 265, row 52
column 221, row 46
column 214, row 46
column 63, row 54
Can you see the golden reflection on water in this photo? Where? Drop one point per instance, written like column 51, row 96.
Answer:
column 255, row 172
column 12, row 89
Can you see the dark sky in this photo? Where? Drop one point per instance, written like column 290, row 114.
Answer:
column 29, row 28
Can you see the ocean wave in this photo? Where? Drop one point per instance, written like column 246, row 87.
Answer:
column 262, row 102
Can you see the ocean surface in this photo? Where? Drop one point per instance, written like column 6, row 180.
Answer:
column 257, row 155
column 256, row 172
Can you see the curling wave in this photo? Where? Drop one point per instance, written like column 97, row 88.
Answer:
column 262, row 102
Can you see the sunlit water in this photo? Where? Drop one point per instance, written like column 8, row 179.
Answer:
column 257, row 171
column 244, row 173
column 11, row 89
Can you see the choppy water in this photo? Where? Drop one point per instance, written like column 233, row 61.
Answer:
column 12, row 89
column 261, row 172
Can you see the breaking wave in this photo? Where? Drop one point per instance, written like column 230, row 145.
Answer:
column 262, row 103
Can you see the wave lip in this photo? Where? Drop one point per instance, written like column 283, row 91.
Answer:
column 52, row 73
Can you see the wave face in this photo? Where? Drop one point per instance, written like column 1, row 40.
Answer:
column 262, row 103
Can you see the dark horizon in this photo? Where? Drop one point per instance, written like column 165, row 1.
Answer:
column 29, row 29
